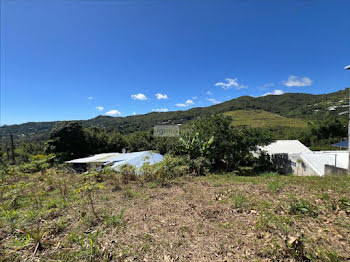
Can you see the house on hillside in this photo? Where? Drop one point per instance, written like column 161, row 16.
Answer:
column 115, row 160
column 284, row 154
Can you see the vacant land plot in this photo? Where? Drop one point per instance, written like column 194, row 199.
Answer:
column 56, row 216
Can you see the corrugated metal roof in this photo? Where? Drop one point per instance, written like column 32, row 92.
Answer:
column 137, row 159
column 285, row 146
column 116, row 160
column 104, row 157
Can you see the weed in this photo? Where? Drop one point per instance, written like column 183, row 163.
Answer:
column 270, row 221
column 274, row 186
column 129, row 194
column 240, row 201
column 344, row 204
column 93, row 244
column 303, row 207
column 296, row 248
column 332, row 256
column 36, row 234
column 88, row 190
column 114, row 220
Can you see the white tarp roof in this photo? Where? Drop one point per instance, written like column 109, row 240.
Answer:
column 285, row 146
column 318, row 160
column 116, row 160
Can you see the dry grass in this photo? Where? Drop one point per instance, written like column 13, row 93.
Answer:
column 213, row 218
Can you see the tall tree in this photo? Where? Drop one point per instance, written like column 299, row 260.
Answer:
column 68, row 140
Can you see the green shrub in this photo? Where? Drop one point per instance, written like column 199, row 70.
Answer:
column 38, row 163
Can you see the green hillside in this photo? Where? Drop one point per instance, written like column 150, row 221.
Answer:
column 289, row 105
column 263, row 119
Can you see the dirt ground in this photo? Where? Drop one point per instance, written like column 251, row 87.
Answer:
column 213, row 218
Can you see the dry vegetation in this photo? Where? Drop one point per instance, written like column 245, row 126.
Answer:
column 61, row 216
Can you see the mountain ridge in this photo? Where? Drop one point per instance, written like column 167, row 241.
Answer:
column 291, row 105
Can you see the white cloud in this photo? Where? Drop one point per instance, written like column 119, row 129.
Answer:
column 187, row 103
column 160, row 110
column 99, row 108
column 276, row 92
column 161, row 96
column 230, row 82
column 113, row 113
column 209, row 93
column 90, row 97
column 214, row 101
column 194, row 97
column 134, row 113
column 297, row 81
column 139, row 97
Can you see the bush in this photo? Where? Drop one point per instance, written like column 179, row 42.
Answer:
column 170, row 168
column 38, row 163
column 128, row 174
column 225, row 147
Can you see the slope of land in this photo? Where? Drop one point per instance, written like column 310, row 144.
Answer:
column 213, row 218
column 295, row 105
column 263, row 119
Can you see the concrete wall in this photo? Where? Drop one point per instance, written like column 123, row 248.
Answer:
column 304, row 169
column 286, row 163
column 332, row 170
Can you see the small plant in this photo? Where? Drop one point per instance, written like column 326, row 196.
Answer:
column 93, row 244
column 11, row 217
column 114, row 220
column 240, row 201
column 128, row 173
column 36, row 234
column 270, row 221
column 303, row 207
column 88, row 190
column 344, row 204
column 296, row 248
column 129, row 194
column 274, row 186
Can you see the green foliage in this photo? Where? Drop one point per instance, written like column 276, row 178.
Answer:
column 38, row 163
column 114, row 220
column 344, row 204
column 171, row 167
column 322, row 134
column 140, row 141
column 99, row 141
column 303, row 207
column 68, row 140
column 128, row 173
column 225, row 147
column 192, row 144
column 88, row 191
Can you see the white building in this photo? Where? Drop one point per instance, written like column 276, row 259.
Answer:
column 320, row 163
column 291, row 156
column 285, row 154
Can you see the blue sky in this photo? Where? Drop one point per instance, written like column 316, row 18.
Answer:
column 65, row 60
